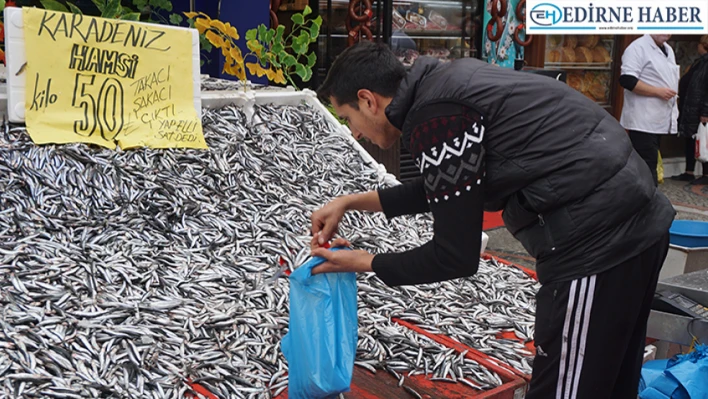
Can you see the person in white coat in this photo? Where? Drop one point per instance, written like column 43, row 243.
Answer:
column 650, row 77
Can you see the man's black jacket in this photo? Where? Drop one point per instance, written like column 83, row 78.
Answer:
column 695, row 103
column 573, row 190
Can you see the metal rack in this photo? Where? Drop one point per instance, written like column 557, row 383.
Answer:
column 595, row 66
column 675, row 328
column 334, row 33
column 581, row 69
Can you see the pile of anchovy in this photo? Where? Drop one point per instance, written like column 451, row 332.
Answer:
column 472, row 311
column 137, row 273
column 209, row 83
column 386, row 345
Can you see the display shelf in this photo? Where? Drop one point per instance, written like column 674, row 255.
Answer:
column 455, row 3
column 581, row 66
column 589, row 62
column 593, row 84
column 416, row 37
column 431, row 32
column 436, row 3
column 453, row 32
column 342, row 35
column 341, row 30
column 427, row 34
column 560, row 52
column 438, row 28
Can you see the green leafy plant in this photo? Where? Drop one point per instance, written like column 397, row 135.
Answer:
column 151, row 8
column 108, row 9
column 114, row 10
column 277, row 56
column 290, row 53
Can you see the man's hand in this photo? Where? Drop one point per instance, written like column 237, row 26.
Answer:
column 325, row 221
column 665, row 93
column 343, row 261
column 704, row 119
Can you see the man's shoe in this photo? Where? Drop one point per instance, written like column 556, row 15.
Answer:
column 701, row 181
column 684, row 177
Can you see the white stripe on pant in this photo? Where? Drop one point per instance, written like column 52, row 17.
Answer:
column 571, row 365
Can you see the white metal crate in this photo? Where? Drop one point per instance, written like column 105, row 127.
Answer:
column 246, row 100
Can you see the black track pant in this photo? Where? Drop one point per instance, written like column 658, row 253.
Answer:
column 590, row 332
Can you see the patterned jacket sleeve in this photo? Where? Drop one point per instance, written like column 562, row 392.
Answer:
column 447, row 143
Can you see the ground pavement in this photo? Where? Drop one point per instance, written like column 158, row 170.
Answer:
column 690, row 202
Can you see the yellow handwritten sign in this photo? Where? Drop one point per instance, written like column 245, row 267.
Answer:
column 108, row 82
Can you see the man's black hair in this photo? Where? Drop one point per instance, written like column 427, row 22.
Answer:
column 365, row 65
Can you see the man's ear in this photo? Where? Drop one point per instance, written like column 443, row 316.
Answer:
column 367, row 99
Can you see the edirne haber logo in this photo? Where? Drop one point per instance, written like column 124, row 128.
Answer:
column 617, row 16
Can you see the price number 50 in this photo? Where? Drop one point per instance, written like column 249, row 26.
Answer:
column 103, row 113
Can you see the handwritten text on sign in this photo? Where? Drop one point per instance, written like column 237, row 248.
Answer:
column 113, row 82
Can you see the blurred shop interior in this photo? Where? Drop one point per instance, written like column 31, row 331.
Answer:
column 490, row 30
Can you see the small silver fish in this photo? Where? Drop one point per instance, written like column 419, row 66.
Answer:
column 132, row 273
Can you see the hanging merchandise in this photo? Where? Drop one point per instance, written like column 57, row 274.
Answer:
column 274, row 6
column 358, row 33
column 521, row 17
column 495, row 26
column 504, row 36
column 360, row 12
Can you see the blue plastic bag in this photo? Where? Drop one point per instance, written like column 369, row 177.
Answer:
column 681, row 377
column 320, row 345
column 651, row 371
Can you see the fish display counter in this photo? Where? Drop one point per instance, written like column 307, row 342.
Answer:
column 158, row 273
